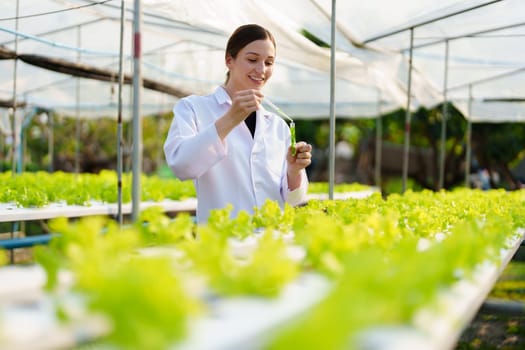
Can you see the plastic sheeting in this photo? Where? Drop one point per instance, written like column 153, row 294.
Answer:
column 485, row 47
column 180, row 49
column 183, row 45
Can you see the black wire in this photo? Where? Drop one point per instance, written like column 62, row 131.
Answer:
column 53, row 12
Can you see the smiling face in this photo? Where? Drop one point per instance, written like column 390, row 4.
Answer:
column 252, row 67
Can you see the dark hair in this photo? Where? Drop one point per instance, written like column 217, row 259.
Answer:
column 244, row 35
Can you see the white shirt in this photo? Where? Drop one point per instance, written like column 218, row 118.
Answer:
column 242, row 171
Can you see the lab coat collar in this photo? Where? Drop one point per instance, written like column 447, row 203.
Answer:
column 265, row 114
column 221, row 96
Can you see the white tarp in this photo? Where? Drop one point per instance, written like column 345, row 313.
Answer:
column 183, row 46
column 478, row 53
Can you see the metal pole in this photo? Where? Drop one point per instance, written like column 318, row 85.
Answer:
column 331, row 162
column 77, row 107
column 444, row 122
column 477, row 33
column 487, row 79
column 51, row 140
column 23, row 139
column 137, row 118
column 23, row 142
column 119, row 118
column 469, row 139
column 129, row 136
column 2, row 156
column 408, row 115
column 20, row 149
column 379, row 141
column 425, row 22
column 15, row 146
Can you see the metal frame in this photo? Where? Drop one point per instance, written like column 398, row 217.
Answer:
column 445, row 87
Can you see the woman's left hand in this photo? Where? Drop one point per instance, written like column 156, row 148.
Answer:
column 302, row 159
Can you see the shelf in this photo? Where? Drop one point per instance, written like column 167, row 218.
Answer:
column 248, row 322
column 439, row 328
column 10, row 213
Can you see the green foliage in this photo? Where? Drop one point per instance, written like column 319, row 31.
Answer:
column 425, row 126
column 270, row 216
column 386, row 257
column 350, row 133
column 141, row 296
column 158, row 229
column 325, row 252
column 147, row 309
column 41, row 188
column 395, row 185
column 376, row 266
column 323, row 187
column 96, row 143
column 239, row 227
column 511, row 284
column 497, row 145
column 500, row 142
column 263, row 271
column 322, row 135
column 3, row 257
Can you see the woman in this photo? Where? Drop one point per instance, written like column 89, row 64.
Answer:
column 237, row 152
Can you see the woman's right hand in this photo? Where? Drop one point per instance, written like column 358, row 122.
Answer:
column 244, row 102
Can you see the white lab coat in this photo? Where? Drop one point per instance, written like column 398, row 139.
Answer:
column 243, row 171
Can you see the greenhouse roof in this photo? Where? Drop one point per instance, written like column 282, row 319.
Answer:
column 68, row 54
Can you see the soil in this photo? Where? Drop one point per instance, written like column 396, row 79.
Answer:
column 500, row 327
column 491, row 331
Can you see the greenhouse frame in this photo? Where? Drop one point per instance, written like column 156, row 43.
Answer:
column 125, row 60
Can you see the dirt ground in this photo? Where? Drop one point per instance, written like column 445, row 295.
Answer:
column 491, row 331
column 495, row 328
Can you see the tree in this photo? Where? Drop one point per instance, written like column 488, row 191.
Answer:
column 497, row 147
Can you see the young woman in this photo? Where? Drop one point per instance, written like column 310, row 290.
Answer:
column 236, row 151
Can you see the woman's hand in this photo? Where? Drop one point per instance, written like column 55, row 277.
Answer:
column 302, row 159
column 244, row 102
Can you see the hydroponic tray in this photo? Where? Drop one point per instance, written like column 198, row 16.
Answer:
column 439, row 327
column 10, row 213
column 27, row 316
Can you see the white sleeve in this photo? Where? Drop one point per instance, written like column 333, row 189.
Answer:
column 297, row 196
column 190, row 152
